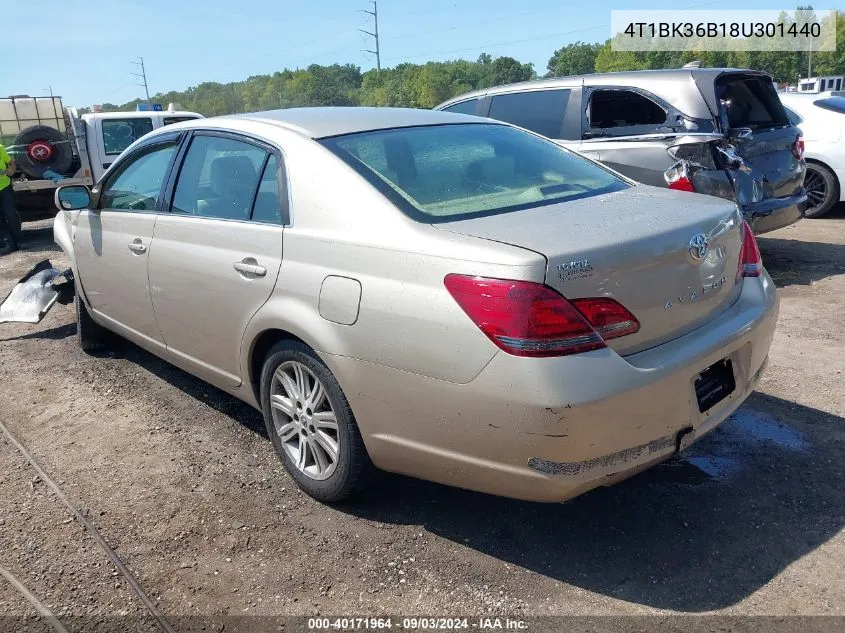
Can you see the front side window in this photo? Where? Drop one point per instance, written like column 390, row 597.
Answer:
column 464, row 107
column 137, row 184
column 623, row 109
column 540, row 111
column 219, row 178
column 448, row 172
column 118, row 134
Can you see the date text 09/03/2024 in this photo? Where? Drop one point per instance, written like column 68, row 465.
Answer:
column 416, row 624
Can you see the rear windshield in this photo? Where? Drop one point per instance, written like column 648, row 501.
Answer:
column 450, row 172
column 834, row 104
column 750, row 102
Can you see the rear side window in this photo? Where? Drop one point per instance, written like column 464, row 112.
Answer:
column 834, row 104
column 219, row 178
column 623, row 108
column 450, row 172
column 464, row 107
column 750, row 102
column 118, row 134
column 540, row 111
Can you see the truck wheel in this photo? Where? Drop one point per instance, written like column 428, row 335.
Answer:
column 40, row 148
column 91, row 336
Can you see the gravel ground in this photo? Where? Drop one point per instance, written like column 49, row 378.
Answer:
column 183, row 483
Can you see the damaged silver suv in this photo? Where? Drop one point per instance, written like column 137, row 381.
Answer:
column 717, row 131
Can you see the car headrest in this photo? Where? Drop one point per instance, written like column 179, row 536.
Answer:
column 232, row 175
column 400, row 160
column 495, row 169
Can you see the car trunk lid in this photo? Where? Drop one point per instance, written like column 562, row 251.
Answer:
column 636, row 246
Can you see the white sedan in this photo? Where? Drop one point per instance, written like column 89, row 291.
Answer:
column 821, row 118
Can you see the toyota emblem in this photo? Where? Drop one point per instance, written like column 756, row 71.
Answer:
column 698, row 247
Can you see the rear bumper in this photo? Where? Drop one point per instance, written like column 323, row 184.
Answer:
column 549, row 429
column 775, row 213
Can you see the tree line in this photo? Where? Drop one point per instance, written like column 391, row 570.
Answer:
column 426, row 85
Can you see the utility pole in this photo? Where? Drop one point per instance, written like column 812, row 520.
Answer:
column 374, row 34
column 810, row 60
column 143, row 76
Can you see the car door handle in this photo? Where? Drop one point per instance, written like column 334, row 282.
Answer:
column 249, row 268
column 136, row 246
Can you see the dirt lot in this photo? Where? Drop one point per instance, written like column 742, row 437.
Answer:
column 182, row 481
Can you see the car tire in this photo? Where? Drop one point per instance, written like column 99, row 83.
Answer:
column 822, row 190
column 91, row 337
column 59, row 161
column 306, row 450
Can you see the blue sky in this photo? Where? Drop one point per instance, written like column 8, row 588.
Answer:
column 86, row 52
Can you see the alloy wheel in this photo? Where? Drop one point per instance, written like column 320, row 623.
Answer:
column 304, row 420
column 816, row 187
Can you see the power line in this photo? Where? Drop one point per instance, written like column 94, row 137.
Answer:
column 143, row 76
column 529, row 39
column 496, row 44
column 311, row 58
column 476, row 23
column 326, row 36
column 374, row 34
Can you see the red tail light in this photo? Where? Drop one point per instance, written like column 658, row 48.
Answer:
column 681, row 184
column 750, row 261
column 798, row 147
column 529, row 319
column 609, row 317
column 677, row 177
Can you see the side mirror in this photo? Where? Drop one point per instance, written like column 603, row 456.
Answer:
column 72, row 198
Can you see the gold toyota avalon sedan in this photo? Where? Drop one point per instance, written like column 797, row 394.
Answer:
column 427, row 293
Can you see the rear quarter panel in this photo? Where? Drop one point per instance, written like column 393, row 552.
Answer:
column 406, row 320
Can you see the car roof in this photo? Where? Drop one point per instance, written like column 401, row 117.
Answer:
column 800, row 97
column 334, row 121
column 138, row 114
column 806, row 104
column 699, row 103
column 631, row 77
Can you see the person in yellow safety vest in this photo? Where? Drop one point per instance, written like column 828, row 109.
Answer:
column 7, row 202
